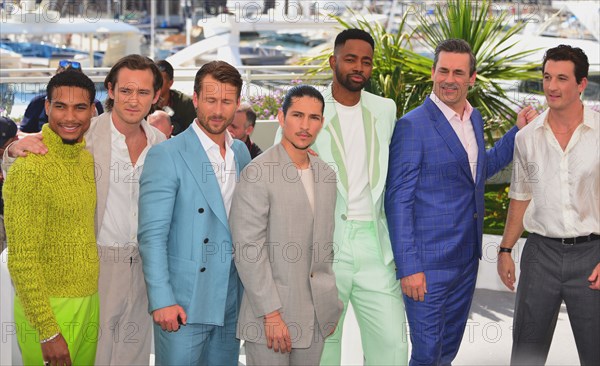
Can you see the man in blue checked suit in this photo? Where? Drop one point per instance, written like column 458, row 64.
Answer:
column 185, row 242
column 434, row 204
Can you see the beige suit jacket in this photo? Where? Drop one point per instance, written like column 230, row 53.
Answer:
column 98, row 141
column 284, row 252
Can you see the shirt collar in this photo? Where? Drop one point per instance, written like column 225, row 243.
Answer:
column 448, row 112
column 590, row 119
column 150, row 135
column 207, row 142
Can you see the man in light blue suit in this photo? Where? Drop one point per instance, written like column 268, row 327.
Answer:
column 185, row 242
column 434, row 204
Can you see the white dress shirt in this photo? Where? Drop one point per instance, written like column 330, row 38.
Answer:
column 225, row 170
column 463, row 127
column 120, row 221
column 563, row 186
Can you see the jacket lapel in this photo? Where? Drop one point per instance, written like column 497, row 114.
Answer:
column 445, row 130
column 329, row 144
column 477, row 122
column 201, row 169
column 99, row 143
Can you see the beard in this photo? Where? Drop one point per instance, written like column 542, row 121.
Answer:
column 203, row 121
column 347, row 82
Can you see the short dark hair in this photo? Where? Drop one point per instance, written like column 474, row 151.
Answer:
column 222, row 72
column 166, row 67
column 74, row 78
column 132, row 62
column 246, row 108
column 455, row 45
column 353, row 33
column 299, row 91
column 567, row 53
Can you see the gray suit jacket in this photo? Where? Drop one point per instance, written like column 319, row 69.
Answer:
column 283, row 252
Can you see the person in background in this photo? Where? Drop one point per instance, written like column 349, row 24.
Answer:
column 35, row 114
column 555, row 196
column 177, row 104
column 53, row 259
column 161, row 121
column 242, row 127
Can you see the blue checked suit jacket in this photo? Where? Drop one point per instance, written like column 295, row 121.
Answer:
column 433, row 206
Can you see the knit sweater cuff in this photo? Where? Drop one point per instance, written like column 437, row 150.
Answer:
column 48, row 330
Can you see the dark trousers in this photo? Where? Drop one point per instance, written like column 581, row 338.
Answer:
column 552, row 272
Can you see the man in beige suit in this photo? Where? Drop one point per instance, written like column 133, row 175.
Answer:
column 119, row 140
column 282, row 227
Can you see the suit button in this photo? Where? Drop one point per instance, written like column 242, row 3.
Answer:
column 202, row 269
column 344, row 217
column 200, row 210
column 206, row 241
column 475, row 215
column 312, row 275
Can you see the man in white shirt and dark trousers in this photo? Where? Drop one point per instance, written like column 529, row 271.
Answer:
column 555, row 196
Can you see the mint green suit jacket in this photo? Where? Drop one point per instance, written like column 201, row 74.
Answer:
column 379, row 116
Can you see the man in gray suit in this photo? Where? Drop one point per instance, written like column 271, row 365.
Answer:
column 282, row 227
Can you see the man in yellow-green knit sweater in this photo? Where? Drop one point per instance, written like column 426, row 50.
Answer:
column 50, row 204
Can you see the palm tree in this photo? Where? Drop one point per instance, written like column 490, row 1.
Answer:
column 403, row 75
column 398, row 73
column 490, row 39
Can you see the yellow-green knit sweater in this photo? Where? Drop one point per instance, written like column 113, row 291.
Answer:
column 50, row 203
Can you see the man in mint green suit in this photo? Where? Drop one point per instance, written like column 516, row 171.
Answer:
column 185, row 241
column 354, row 141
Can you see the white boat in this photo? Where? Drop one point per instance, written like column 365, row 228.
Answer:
column 36, row 23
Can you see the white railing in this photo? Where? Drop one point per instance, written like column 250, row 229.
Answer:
column 249, row 74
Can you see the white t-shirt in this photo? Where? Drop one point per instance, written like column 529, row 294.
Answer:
column 355, row 146
column 306, row 176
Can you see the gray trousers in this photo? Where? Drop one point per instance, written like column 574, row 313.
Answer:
column 125, row 334
column 258, row 354
column 551, row 273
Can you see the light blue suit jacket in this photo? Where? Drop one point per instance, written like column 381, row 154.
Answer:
column 434, row 207
column 184, row 236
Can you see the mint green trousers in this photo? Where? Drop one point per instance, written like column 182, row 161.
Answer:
column 78, row 321
column 371, row 286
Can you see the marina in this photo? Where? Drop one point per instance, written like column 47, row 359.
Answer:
column 267, row 46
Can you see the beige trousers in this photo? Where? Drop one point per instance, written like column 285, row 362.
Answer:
column 125, row 334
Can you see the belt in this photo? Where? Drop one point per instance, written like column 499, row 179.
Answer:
column 577, row 240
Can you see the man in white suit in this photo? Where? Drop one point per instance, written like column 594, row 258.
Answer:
column 282, row 227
